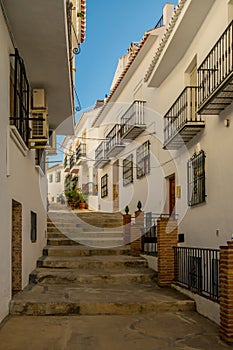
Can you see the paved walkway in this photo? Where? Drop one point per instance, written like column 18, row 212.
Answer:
column 167, row 330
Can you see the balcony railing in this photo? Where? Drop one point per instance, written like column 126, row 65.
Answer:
column 198, row 270
column 182, row 122
column 101, row 158
column 215, row 76
column 114, row 143
column 72, row 161
column 132, row 122
column 66, row 164
column 80, row 152
column 20, row 97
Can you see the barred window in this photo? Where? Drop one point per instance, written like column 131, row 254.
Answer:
column 104, row 186
column 58, row 176
column 50, row 178
column 196, row 179
column 128, row 170
column 143, row 159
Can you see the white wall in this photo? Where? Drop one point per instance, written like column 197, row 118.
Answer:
column 19, row 180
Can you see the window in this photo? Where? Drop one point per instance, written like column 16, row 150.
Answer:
column 143, row 159
column 33, row 226
column 50, row 178
column 128, row 170
column 196, row 179
column 58, row 176
column 19, row 96
column 104, row 186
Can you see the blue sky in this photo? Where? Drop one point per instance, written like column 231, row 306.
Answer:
column 111, row 27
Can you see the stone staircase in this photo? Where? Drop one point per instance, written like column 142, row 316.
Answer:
column 71, row 278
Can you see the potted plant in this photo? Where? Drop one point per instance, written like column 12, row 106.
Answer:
column 72, row 198
column 82, row 202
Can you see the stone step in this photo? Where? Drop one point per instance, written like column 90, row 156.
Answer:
column 85, row 231
column 94, row 261
column 62, row 299
column 76, row 276
column 60, row 241
column 55, row 235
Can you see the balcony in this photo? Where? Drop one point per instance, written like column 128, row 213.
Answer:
column 182, row 122
column 73, row 166
column 216, row 76
column 66, row 164
column 101, row 158
column 132, row 122
column 81, row 153
column 114, row 144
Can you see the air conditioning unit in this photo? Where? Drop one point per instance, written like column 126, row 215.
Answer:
column 52, row 143
column 38, row 99
column 39, row 128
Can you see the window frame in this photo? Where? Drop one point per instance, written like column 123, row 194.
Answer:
column 33, row 227
column 128, row 170
column 58, row 176
column 143, row 159
column 104, row 186
column 196, row 179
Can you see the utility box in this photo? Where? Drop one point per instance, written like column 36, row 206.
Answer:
column 38, row 99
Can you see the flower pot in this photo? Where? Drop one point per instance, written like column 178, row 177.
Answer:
column 82, row 205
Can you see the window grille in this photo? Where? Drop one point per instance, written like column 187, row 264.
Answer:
column 104, row 186
column 143, row 159
column 128, row 170
column 196, row 179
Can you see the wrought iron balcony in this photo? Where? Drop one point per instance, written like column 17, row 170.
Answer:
column 132, row 122
column 182, row 122
column 74, row 169
column 114, row 143
column 215, row 76
column 66, row 164
column 101, row 158
column 81, row 153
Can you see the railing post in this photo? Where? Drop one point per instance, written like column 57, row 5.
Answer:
column 167, row 239
column 226, row 292
column 127, row 228
column 136, row 233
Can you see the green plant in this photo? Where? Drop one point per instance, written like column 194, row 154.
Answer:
column 72, row 196
column 139, row 205
column 127, row 210
column 81, row 196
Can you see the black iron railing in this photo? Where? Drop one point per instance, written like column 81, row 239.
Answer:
column 160, row 23
column 65, row 161
column 182, row 112
column 114, row 138
column 20, row 97
column 134, row 116
column 149, row 238
column 217, row 66
column 100, row 152
column 198, row 270
column 80, row 151
column 72, row 161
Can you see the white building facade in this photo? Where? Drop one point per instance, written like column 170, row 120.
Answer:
column 36, row 97
column 55, row 180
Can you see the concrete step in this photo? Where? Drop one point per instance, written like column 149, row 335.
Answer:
column 77, row 276
column 88, row 299
column 55, row 235
column 94, row 261
column 71, row 248
column 61, row 241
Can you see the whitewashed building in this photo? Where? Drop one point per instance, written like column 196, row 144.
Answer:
column 126, row 158
column 79, row 158
column 167, row 136
column 36, row 83
column 55, row 180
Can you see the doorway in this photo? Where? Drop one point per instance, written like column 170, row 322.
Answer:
column 16, row 248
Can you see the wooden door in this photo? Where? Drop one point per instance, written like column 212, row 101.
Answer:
column 116, row 186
